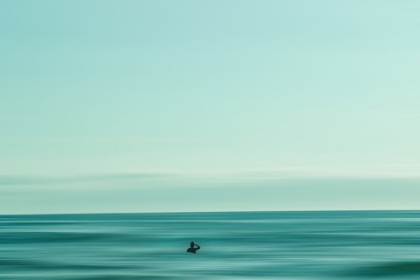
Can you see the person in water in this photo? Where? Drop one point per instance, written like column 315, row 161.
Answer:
column 192, row 249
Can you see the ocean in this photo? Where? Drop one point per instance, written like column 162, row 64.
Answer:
column 234, row 245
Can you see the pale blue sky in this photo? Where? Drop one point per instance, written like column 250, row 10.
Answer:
column 135, row 97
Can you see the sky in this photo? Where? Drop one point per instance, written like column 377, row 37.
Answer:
column 233, row 105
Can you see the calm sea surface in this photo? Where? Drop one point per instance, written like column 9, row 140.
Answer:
column 246, row 245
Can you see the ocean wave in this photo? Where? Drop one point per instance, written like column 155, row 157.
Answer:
column 386, row 269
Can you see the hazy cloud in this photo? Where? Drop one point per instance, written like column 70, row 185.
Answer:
column 197, row 177
column 22, row 180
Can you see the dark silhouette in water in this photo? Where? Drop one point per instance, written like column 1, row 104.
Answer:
column 192, row 249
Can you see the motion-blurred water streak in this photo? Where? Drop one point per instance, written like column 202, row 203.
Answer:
column 241, row 245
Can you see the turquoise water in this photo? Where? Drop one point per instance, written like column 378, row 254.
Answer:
column 245, row 245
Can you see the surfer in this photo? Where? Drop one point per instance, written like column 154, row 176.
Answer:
column 192, row 249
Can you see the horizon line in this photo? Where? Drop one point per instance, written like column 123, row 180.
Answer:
column 210, row 212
